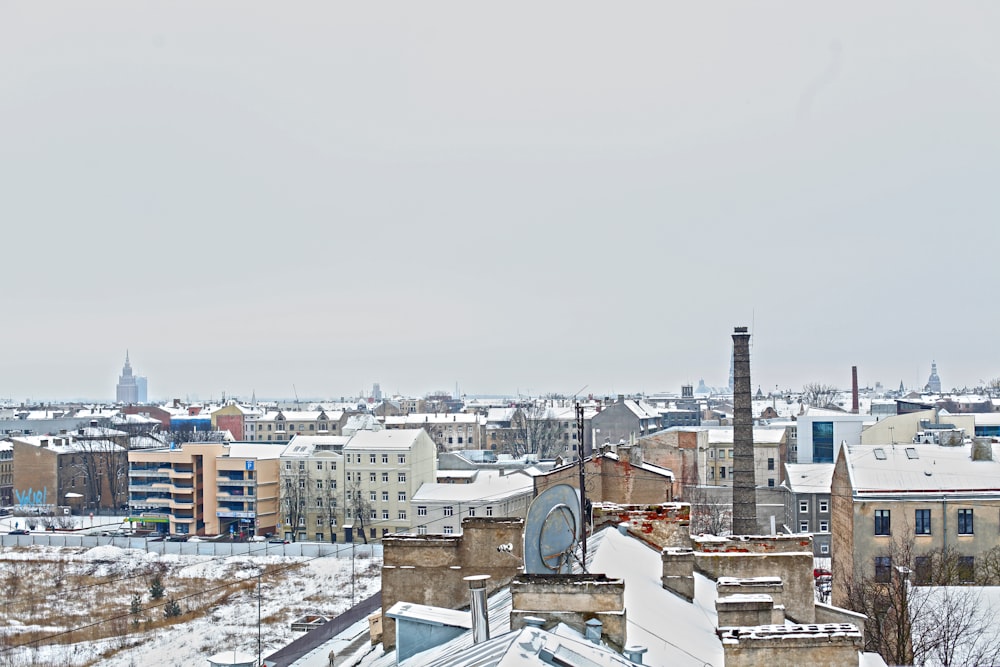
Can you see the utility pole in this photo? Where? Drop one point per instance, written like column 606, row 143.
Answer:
column 259, row 648
column 583, row 487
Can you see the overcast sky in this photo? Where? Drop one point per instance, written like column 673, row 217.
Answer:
column 525, row 197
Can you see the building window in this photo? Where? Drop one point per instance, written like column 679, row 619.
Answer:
column 882, row 522
column 770, row 482
column 371, row 477
column 448, row 530
column 421, row 530
column 824, row 506
column 319, row 521
column 922, row 569
column 421, row 510
column 373, row 496
column 302, row 465
column 966, row 569
column 401, row 459
column 333, row 484
column 373, row 515
column 883, row 569
column 824, row 548
column 371, row 533
column 770, row 464
column 402, row 478
column 402, row 515
column 824, row 526
column 822, row 433
column 371, row 458
column 803, row 506
column 385, row 515
column 319, row 465
column 803, row 526
column 302, row 483
column 489, row 510
column 333, row 465
column 385, row 478
column 922, row 522
column 472, row 511
column 722, row 472
column 449, row 510
column 965, row 522
column 319, row 484
column 401, row 496
column 385, row 458
column 288, row 465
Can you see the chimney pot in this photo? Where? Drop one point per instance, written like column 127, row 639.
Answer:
column 594, row 630
column 480, row 620
column 634, row 653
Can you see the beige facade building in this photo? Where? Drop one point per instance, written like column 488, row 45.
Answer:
column 716, row 459
column 912, row 501
column 283, row 425
column 449, row 431
column 354, row 488
column 207, row 488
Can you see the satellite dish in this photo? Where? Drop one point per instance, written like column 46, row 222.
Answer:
column 551, row 531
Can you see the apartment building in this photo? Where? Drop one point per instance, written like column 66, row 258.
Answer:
column 207, row 488
column 807, row 504
column 312, row 476
column 918, row 499
column 62, row 471
column 449, row 431
column 283, row 425
column 716, row 460
column 356, row 487
column 441, row 507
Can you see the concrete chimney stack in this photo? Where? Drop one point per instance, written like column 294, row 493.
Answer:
column 854, row 390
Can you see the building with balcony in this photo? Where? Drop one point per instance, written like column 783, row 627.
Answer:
column 207, row 488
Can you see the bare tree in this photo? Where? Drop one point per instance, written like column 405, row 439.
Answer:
column 819, row 395
column 296, row 497
column 935, row 624
column 711, row 513
column 102, row 466
column 358, row 507
column 533, row 430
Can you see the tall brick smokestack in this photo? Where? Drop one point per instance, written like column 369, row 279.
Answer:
column 854, row 390
column 744, row 484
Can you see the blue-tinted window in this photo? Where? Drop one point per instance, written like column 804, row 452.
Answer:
column 822, row 442
column 965, row 522
column 922, row 524
column 882, row 526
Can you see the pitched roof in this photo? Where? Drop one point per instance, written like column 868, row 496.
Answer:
column 903, row 469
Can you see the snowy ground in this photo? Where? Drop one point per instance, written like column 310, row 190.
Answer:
column 50, row 590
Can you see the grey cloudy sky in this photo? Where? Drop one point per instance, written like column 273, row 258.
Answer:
column 521, row 196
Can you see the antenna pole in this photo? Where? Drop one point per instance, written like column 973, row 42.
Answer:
column 583, row 488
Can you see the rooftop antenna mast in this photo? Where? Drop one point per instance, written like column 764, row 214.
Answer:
column 296, row 392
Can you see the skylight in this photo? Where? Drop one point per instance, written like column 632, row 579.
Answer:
column 911, row 453
column 879, row 453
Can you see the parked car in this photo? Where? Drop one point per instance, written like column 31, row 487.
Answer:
column 19, row 531
column 177, row 538
column 821, row 572
column 277, row 540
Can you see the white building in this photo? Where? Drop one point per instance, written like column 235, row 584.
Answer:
column 489, row 493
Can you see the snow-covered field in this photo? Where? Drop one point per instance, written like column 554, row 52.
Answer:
column 83, row 598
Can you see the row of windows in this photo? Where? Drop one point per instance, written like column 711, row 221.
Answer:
column 922, row 522
column 401, row 496
column 449, row 510
column 922, row 569
column 824, row 506
column 824, row 526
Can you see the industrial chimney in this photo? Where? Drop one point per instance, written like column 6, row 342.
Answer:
column 854, row 390
column 744, row 484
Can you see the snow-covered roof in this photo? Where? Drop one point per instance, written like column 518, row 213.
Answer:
column 761, row 436
column 809, row 477
column 417, row 419
column 398, row 438
column 253, row 450
column 901, row 469
column 488, row 485
column 305, row 445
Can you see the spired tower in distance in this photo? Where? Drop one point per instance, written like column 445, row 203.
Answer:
column 744, row 484
column 127, row 390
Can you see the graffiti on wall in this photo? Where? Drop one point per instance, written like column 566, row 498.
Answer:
column 31, row 497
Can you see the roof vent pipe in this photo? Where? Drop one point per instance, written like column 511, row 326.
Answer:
column 593, row 630
column 480, row 621
column 634, row 653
